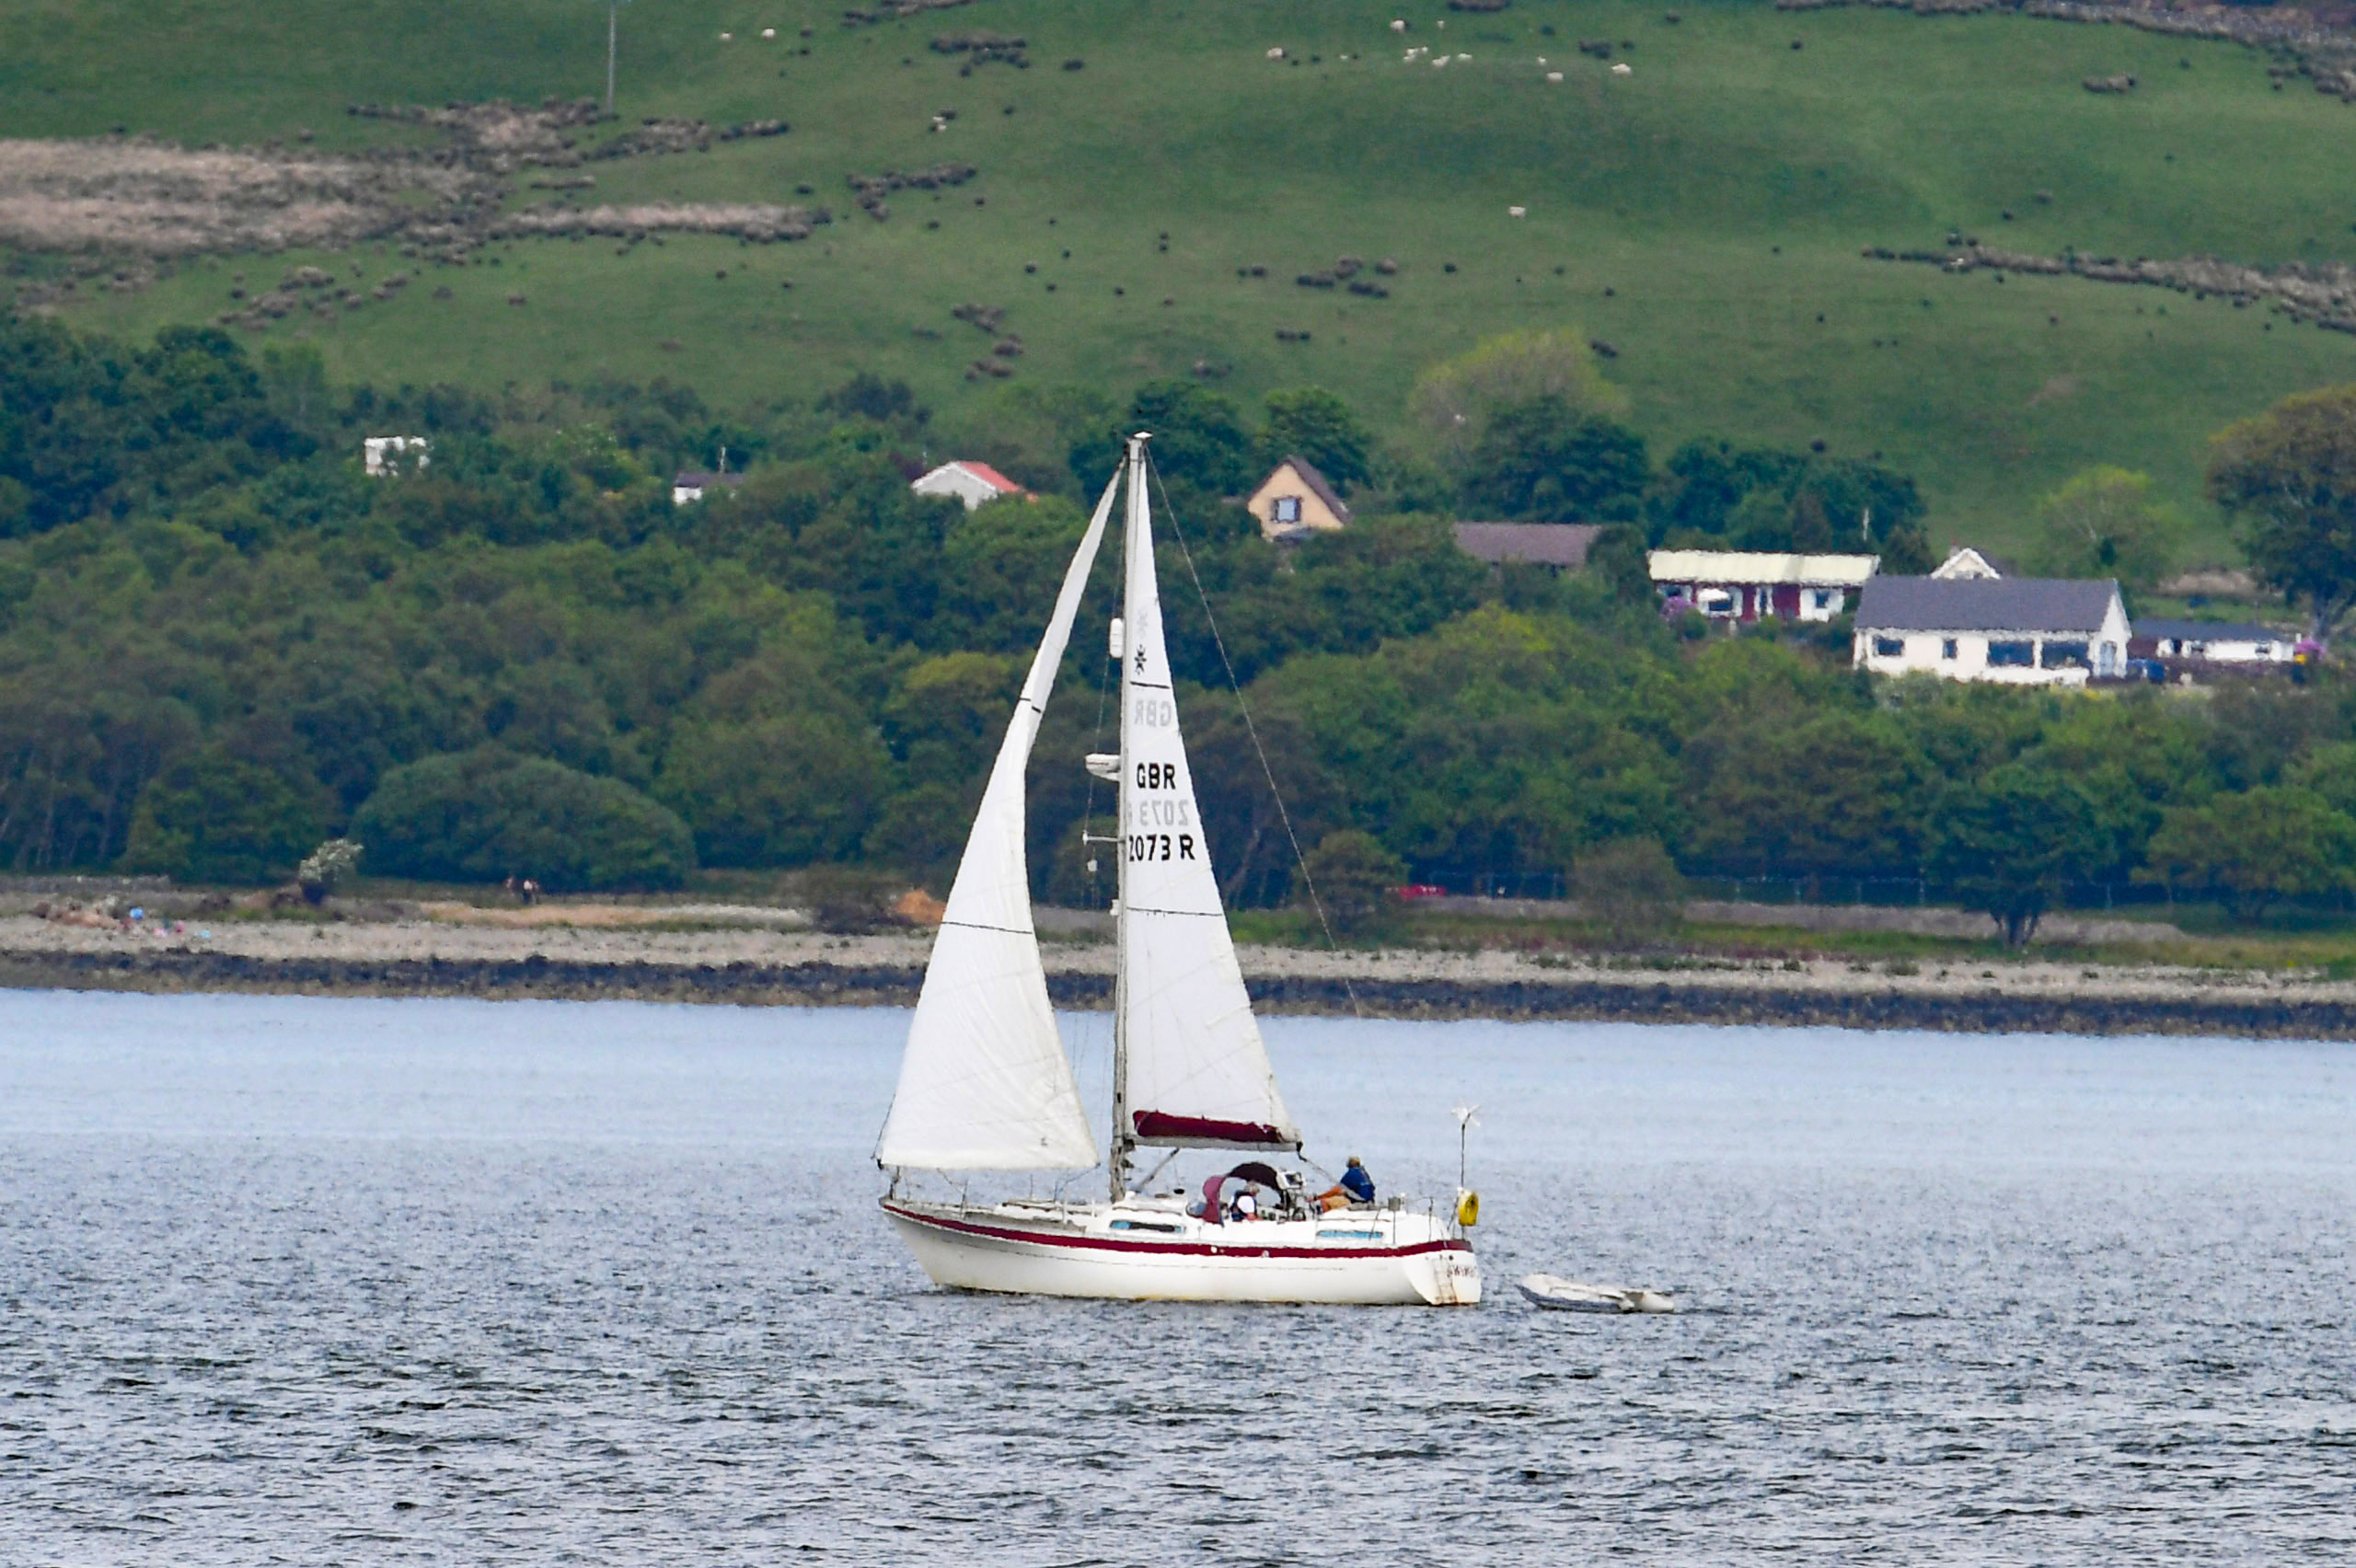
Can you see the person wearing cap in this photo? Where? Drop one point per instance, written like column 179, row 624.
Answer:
column 1355, row 1187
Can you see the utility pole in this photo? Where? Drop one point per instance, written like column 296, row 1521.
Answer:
column 613, row 38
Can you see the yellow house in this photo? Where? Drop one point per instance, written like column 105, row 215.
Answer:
column 1295, row 501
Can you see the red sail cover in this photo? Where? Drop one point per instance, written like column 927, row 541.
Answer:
column 1197, row 1132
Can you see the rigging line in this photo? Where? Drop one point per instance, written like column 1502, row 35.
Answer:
column 1251, row 730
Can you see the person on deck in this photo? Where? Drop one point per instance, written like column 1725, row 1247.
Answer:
column 1355, row 1187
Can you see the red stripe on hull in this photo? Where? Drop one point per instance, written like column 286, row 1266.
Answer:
column 1179, row 1249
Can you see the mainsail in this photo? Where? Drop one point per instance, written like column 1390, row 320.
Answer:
column 984, row 1082
column 1196, row 1071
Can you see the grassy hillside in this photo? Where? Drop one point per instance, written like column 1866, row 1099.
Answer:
column 1700, row 214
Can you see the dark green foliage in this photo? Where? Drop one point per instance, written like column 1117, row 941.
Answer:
column 217, row 624
column 1353, row 876
column 215, row 817
column 2253, row 851
column 1617, row 559
column 1834, row 791
column 2290, row 476
column 1313, row 423
column 488, row 815
column 2009, row 843
column 1544, row 462
column 869, row 397
column 1200, row 448
column 1718, row 495
column 1630, row 887
column 780, row 791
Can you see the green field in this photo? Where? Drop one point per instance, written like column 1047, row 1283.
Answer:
column 1700, row 214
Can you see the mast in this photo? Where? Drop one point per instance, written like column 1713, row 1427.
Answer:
column 1135, row 536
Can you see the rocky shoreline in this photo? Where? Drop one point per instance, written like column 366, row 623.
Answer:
column 804, row 969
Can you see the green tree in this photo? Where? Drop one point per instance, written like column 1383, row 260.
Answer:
column 2254, row 849
column 1310, row 423
column 1631, row 888
column 1617, row 559
column 217, row 817
column 1353, row 875
column 488, row 815
column 2289, row 476
column 1454, row 400
column 1001, row 568
column 2009, row 844
column 1199, row 442
column 1817, row 791
column 1544, row 461
column 2105, row 522
column 776, row 792
column 949, row 713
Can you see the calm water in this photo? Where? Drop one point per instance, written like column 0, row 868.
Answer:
column 289, row 1280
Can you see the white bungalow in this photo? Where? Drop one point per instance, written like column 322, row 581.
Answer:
column 976, row 484
column 2014, row 631
column 691, row 485
column 2218, row 642
column 1748, row 584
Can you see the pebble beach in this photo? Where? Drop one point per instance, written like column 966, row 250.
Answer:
column 718, row 955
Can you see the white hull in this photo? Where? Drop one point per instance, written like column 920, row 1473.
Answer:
column 1148, row 1253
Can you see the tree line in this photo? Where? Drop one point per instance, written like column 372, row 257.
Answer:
column 221, row 641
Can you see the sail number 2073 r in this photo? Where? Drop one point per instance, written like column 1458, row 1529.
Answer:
column 1162, row 846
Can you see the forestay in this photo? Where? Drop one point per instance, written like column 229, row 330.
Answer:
column 1198, row 1073
column 984, row 1081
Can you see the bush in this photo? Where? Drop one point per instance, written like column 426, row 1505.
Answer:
column 1630, row 887
column 487, row 814
column 216, row 817
column 1353, row 876
column 324, row 868
column 851, row 900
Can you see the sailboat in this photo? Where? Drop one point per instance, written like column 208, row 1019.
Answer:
column 985, row 1084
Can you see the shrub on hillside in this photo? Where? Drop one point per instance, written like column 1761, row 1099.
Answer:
column 216, row 817
column 486, row 814
column 1354, row 875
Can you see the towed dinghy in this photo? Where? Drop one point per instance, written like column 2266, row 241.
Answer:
column 1560, row 1295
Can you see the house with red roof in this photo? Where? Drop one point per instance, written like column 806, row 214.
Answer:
column 976, row 484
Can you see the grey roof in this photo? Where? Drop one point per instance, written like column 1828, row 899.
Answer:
column 1984, row 604
column 2210, row 631
column 1540, row 544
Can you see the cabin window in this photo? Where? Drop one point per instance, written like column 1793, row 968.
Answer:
column 2065, row 655
column 2262, row 649
column 1946, row 649
column 2020, row 655
column 1889, row 647
column 1715, row 602
column 1287, row 509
